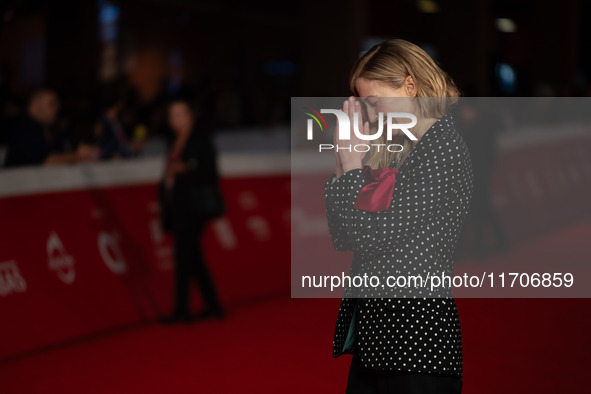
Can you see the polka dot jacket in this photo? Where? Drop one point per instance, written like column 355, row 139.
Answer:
column 417, row 235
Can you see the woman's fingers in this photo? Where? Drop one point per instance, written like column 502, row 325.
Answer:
column 359, row 116
column 334, row 135
column 351, row 158
column 353, row 106
column 346, row 107
column 351, row 103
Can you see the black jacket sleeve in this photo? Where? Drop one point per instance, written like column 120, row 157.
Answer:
column 200, row 158
column 336, row 200
column 419, row 196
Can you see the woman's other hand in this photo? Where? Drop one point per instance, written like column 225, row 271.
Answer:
column 176, row 167
column 173, row 169
column 350, row 159
column 339, row 165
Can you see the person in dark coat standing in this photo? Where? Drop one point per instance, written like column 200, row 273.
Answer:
column 191, row 161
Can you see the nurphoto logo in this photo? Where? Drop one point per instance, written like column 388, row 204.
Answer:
column 344, row 129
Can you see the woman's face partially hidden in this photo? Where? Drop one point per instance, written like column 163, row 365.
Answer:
column 379, row 97
column 179, row 117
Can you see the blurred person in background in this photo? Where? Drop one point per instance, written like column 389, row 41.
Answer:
column 189, row 196
column 10, row 106
column 480, row 127
column 35, row 141
column 113, row 139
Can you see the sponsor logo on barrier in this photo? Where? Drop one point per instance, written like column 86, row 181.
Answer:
column 59, row 261
column 162, row 247
column 11, row 280
column 225, row 234
column 111, row 253
column 259, row 228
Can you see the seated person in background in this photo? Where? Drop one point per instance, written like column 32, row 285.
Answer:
column 113, row 140
column 34, row 141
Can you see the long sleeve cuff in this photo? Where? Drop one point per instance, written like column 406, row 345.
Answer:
column 344, row 190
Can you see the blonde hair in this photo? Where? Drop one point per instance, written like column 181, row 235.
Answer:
column 390, row 62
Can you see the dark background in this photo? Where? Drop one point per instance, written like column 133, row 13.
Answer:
column 243, row 61
column 246, row 59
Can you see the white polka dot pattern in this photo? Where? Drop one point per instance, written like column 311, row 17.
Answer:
column 416, row 235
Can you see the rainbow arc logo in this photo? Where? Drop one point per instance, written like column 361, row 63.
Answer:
column 317, row 117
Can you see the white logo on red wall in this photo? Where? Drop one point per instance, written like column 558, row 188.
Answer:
column 256, row 224
column 259, row 228
column 59, row 260
column 224, row 233
column 11, row 280
column 109, row 250
column 162, row 247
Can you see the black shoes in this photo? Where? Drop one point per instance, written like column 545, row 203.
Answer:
column 212, row 313
column 176, row 318
column 186, row 318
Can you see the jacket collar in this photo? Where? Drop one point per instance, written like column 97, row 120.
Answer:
column 442, row 125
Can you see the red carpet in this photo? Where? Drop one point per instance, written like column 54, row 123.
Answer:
column 284, row 346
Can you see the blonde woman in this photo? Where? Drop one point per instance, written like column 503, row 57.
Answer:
column 400, row 210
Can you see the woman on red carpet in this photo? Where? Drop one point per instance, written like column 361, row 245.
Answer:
column 190, row 178
column 400, row 210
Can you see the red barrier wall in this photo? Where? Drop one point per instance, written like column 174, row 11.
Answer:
column 73, row 263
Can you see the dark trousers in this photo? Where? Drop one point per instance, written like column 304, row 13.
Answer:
column 190, row 264
column 364, row 380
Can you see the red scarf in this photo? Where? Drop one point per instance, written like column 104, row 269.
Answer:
column 377, row 195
